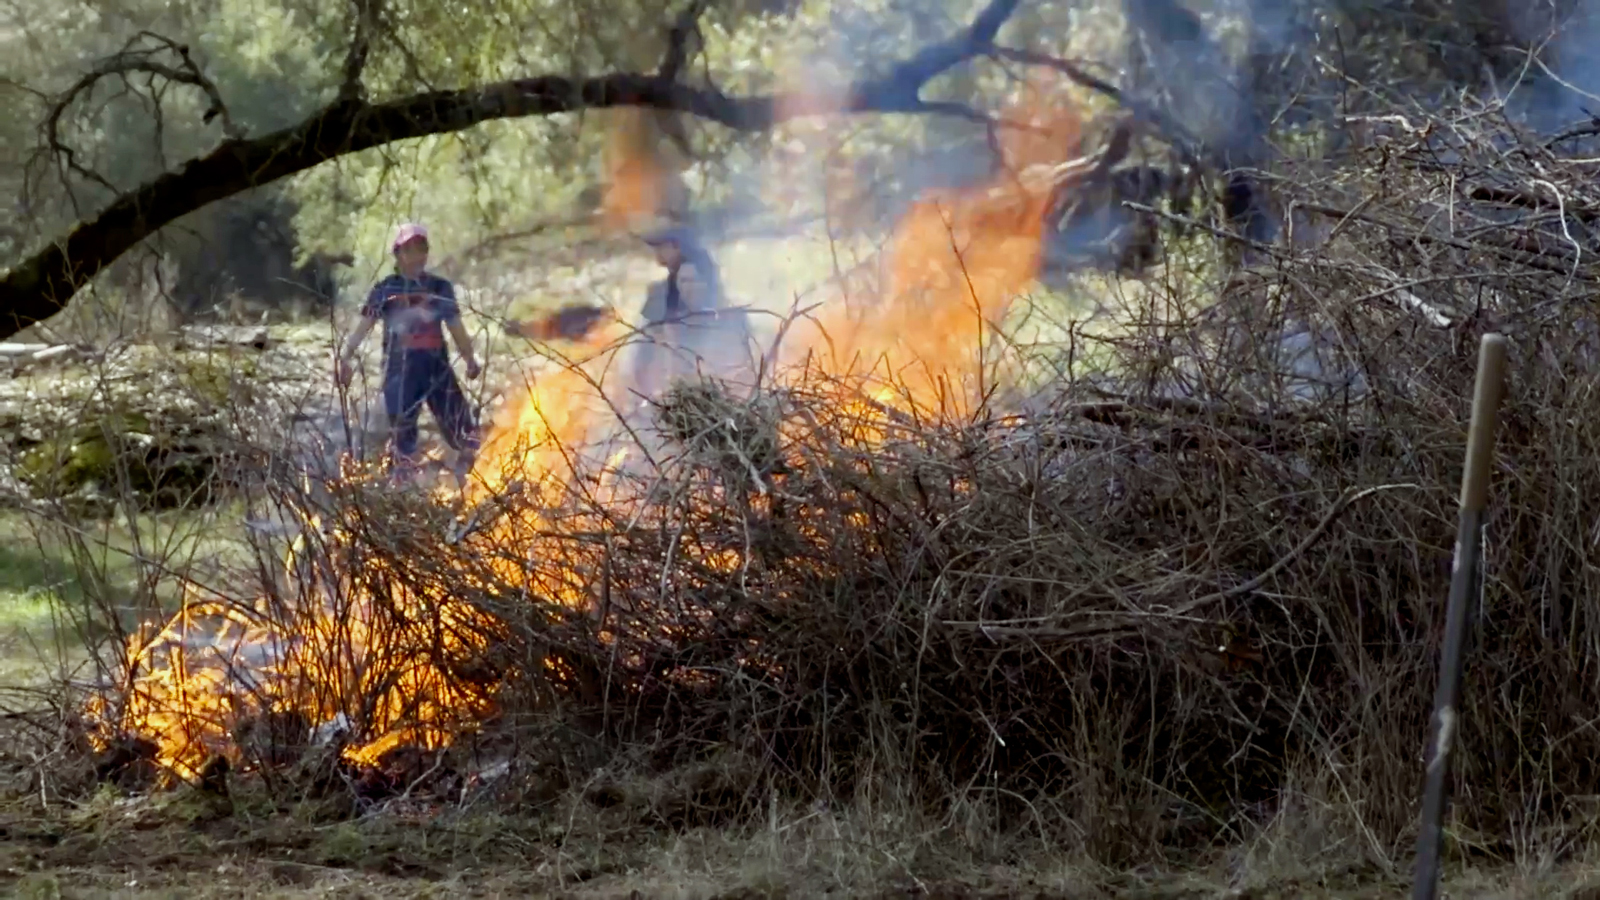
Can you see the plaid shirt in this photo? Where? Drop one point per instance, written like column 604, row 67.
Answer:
column 413, row 311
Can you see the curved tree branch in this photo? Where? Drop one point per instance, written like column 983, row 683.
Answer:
column 140, row 56
column 42, row 285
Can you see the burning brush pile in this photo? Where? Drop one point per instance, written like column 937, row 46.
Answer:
column 1140, row 608
column 810, row 580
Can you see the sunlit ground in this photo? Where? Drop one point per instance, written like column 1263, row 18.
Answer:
column 115, row 849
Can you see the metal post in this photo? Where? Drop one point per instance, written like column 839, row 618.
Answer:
column 1465, row 585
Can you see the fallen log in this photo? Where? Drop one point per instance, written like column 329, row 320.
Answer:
column 28, row 354
column 53, row 352
column 14, row 351
column 200, row 337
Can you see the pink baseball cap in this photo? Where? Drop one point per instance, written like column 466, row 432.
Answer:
column 409, row 232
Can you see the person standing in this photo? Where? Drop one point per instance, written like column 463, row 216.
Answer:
column 416, row 307
column 687, row 325
column 694, row 282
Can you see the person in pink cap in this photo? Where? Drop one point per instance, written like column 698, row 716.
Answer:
column 416, row 306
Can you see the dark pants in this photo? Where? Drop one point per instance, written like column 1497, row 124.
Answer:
column 412, row 379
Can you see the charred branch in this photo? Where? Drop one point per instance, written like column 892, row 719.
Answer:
column 42, row 285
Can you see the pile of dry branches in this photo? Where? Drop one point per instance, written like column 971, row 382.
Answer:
column 1131, row 618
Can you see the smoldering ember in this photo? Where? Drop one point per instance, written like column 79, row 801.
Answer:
column 728, row 449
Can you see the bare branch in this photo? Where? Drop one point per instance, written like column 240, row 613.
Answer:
column 679, row 51
column 365, row 14
column 899, row 90
column 193, row 76
column 1180, row 137
column 1075, row 73
column 140, row 56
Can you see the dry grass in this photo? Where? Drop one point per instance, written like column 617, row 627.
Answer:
column 178, row 845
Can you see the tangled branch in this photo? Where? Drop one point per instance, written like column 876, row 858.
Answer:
column 140, row 55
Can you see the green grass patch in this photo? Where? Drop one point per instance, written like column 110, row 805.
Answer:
column 62, row 583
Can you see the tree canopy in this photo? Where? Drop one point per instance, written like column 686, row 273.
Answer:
column 131, row 120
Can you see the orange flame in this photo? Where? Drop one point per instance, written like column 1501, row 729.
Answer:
column 642, row 174
column 954, row 263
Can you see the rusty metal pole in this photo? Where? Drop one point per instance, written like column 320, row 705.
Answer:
column 1465, row 585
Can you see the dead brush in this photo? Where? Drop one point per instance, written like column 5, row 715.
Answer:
column 1128, row 618
column 720, row 433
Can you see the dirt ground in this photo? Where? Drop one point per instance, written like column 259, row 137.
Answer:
column 183, row 845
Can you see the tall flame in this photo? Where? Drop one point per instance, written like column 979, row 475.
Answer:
column 643, row 173
column 955, row 262
column 952, row 267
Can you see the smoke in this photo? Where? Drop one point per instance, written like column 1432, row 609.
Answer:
column 1562, row 82
column 1182, row 68
column 1216, row 70
column 799, row 208
column 1216, row 81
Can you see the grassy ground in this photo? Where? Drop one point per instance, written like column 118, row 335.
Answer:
column 56, row 582
column 28, row 626
column 40, row 588
column 182, row 848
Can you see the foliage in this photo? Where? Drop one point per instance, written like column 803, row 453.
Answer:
column 273, row 62
column 263, row 57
